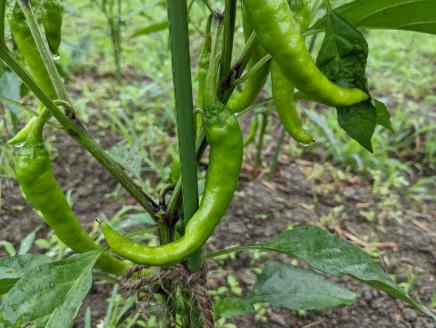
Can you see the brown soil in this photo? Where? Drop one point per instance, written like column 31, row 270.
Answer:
column 265, row 209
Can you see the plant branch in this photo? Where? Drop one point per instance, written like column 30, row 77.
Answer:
column 201, row 144
column 179, row 36
column 2, row 22
column 82, row 137
column 262, row 62
column 228, row 38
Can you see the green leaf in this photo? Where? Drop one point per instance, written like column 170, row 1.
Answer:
column 50, row 294
column 332, row 255
column 13, row 268
column 232, row 307
column 383, row 115
column 409, row 15
column 295, row 288
column 342, row 58
column 359, row 121
column 150, row 29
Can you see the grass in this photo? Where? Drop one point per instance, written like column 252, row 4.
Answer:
column 139, row 113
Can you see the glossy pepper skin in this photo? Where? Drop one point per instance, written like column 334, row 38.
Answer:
column 42, row 191
column 279, row 33
column 25, row 43
column 203, row 62
column 283, row 95
column 255, row 82
column 52, row 15
column 226, row 149
column 27, row 47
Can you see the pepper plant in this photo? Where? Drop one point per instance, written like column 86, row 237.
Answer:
column 229, row 85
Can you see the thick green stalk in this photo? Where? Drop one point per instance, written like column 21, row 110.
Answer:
column 179, row 36
column 228, row 38
column 2, row 22
column 81, row 136
column 237, row 68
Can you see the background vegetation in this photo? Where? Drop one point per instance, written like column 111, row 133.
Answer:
column 135, row 120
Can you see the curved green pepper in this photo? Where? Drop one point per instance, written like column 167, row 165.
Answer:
column 256, row 81
column 283, row 94
column 226, row 149
column 52, row 13
column 302, row 13
column 27, row 47
column 42, row 191
column 203, row 62
column 25, row 43
column 279, row 33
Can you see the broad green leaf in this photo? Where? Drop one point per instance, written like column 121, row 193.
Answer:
column 13, row 268
column 150, row 29
column 410, row 15
column 295, row 288
column 342, row 58
column 50, row 294
column 330, row 254
column 383, row 115
column 232, row 307
column 359, row 121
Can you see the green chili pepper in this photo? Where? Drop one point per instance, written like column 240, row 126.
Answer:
column 302, row 13
column 175, row 170
column 226, row 148
column 279, row 33
column 283, row 94
column 27, row 47
column 256, row 81
column 21, row 135
column 53, row 11
column 42, row 191
column 203, row 62
column 25, row 43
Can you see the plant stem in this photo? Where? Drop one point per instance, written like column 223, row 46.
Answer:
column 328, row 6
column 260, row 141
column 237, row 68
column 229, row 33
column 2, row 22
column 253, row 69
column 238, row 249
column 275, row 158
column 82, row 137
column 178, row 21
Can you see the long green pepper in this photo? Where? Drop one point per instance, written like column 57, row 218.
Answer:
column 52, row 15
column 226, row 150
column 283, row 95
column 28, row 49
column 256, row 81
column 278, row 32
column 42, row 191
column 283, row 89
column 32, row 58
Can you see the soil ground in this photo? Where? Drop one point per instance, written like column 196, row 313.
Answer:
column 302, row 191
